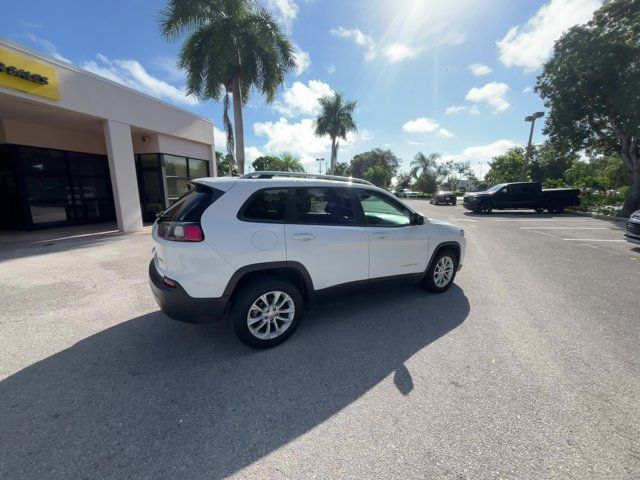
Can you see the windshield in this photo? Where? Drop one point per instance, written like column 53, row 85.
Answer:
column 497, row 187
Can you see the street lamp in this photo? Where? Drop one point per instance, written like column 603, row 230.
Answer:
column 527, row 158
column 320, row 160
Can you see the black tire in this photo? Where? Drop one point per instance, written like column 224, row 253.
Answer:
column 429, row 282
column 484, row 207
column 244, row 299
column 556, row 207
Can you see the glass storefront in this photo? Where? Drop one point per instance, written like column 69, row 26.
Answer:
column 50, row 188
column 42, row 187
column 155, row 169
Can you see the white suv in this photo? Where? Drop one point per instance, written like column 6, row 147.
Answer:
column 261, row 246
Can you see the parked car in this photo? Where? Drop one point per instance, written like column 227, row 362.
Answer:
column 633, row 228
column 406, row 193
column 517, row 195
column 262, row 246
column 444, row 198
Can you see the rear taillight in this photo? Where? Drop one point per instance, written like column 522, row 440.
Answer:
column 181, row 232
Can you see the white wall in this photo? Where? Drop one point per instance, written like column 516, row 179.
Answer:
column 86, row 93
column 52, row 136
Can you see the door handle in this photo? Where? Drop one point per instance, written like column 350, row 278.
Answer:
column 379, row 236
column 304, row 237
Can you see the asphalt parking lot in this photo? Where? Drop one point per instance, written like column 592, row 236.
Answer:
column 528, row 367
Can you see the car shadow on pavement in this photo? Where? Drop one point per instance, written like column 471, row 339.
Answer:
column 153, row 398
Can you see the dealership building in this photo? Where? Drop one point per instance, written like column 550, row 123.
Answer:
column 77, row 148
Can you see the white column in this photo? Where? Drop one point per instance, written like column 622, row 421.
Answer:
column 124, row 182
column 213, row 164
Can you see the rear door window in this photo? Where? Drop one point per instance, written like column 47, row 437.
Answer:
column 191, row 206
column 267, row 205
column 324, row 206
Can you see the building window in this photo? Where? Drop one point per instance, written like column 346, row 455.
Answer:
column 178, row 171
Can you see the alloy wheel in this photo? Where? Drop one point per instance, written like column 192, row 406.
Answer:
column 270, row 315
column 443, row 273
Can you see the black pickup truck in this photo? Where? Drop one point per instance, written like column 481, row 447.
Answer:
column 522, row 195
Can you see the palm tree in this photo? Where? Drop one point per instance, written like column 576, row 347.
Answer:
column 423, row 163
column 232, row 46
column 335, row 120
column 290, row 163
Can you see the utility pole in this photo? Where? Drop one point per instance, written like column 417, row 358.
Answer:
column 527, row 158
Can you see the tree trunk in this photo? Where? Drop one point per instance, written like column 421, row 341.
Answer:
column 632, row 201
column 237, row 120
column 334, row 155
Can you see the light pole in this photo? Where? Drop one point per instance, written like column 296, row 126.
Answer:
column 320, row 160
column 527, row 158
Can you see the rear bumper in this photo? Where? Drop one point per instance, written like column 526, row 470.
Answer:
column 179, row 305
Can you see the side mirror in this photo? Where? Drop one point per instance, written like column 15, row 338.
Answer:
column 417, row 219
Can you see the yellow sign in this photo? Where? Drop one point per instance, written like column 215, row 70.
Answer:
column 22, row 73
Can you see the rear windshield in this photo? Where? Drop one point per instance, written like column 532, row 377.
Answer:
column 191, row 206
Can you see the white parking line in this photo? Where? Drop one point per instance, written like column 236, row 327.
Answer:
column 590, row 240
column 565, row 228
column 560, row 219
column 463, row 219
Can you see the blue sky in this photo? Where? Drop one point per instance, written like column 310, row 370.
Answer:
column 446, row 76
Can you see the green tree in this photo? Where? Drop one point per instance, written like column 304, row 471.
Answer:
column 550, row 160
column 225, row 165
column 422, row 163
column 591, row 85
column 451, row 172
column 232, row 46
column 378, row 166
column 342, row 168
column 424, row 170
column 336, row 120
column 268, row 163
column 404, row 180
column 506, row 167
column 290, row 162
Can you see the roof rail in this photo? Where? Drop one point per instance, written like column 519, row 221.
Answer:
column 335, row 178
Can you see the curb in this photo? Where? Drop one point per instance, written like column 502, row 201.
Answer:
column 599, row 217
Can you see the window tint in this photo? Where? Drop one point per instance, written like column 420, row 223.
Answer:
column 267, row 205
column 324, row 206
column 529, row 188
column 191, row 206
column 382, row 211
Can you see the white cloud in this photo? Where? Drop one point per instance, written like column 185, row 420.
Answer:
column 478, row 69
column 527, row 90
column 359, row 38
column 479, row 155
column 285, row 10
column 299, row 138
column 426, row 125
column 492, row 93
column 487, row 152
column 453, row 38
column 49, row 48
column 132, row 74
column 530, row 45
column 444, row 133
column 397, row 52
column 331, row 69
column 302, row 99
column 455, row 109
column 251, row 153
column 420, row 125
column 303, row 60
